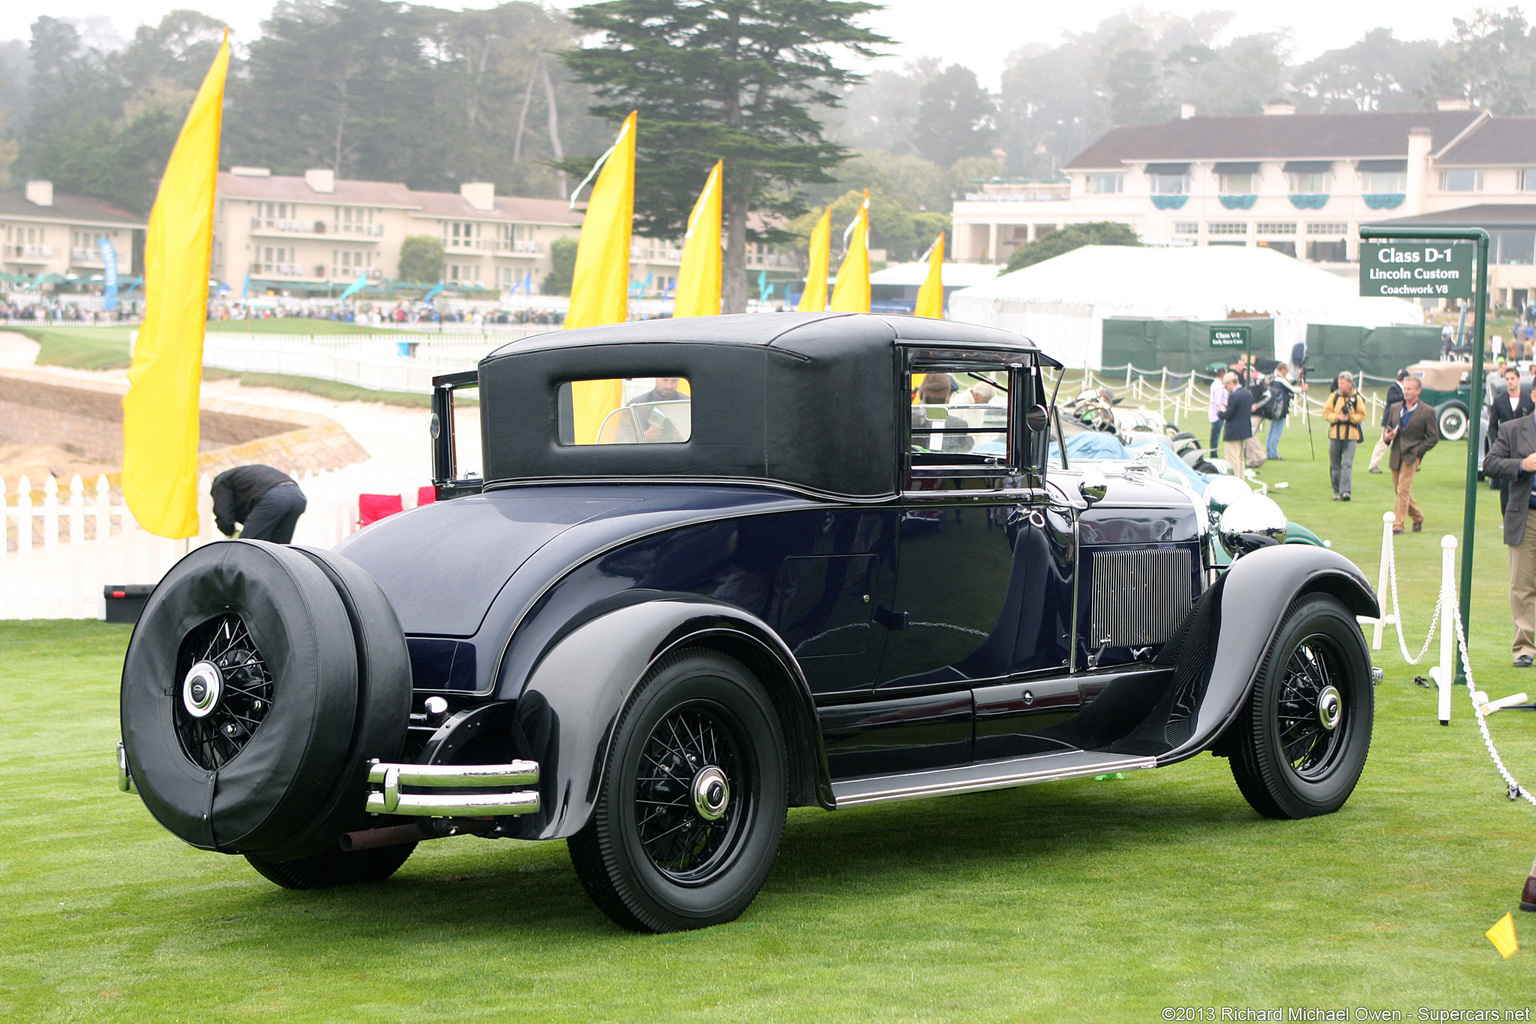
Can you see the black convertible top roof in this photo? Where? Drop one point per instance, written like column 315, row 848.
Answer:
column 812, row 399
column 793, row 332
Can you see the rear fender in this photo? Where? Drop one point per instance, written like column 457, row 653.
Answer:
column 1253, row 598
column 568, row 709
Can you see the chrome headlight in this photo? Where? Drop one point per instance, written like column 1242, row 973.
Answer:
column 1222, row 491
column 1250, row 523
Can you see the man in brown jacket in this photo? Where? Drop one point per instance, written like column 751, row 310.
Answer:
column 1512, row 458
column 1412, row 431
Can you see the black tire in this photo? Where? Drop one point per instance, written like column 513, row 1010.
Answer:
column 1288, row 761
column 650, row 857
column 1452, row 421
column 264, row 766
column 333, row 866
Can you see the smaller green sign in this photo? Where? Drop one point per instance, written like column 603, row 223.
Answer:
column 1416, row 268
column 1224, row 337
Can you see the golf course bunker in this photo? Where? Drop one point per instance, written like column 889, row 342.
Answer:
column 67, row 427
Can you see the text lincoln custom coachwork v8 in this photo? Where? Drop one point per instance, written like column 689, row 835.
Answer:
column 719, row 567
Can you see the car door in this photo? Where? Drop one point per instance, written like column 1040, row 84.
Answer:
column 964, row 529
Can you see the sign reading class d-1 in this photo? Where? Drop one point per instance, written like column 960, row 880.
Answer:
column 1418, row 269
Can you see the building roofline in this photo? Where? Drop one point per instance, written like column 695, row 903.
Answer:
column 1481, row 119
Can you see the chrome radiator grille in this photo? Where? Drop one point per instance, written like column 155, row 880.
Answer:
column 1139, row 597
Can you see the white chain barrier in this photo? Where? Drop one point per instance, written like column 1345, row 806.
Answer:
column 1447, row 579
column 1448, row 615
column 1482, row 707
column 1183, row 392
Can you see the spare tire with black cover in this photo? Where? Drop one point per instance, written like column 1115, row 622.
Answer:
column 244, row 713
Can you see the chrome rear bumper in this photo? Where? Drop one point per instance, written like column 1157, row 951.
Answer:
column 435, row 790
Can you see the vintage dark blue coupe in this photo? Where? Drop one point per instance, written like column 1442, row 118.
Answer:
column 718, row 567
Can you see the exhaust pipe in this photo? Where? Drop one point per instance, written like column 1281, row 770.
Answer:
column 393, row 835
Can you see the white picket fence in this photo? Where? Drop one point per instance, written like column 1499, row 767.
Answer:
column 63, row 549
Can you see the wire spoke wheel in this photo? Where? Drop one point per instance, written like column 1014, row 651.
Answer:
column 693, row 798
column 223, row 692
column 1308, row 737
column 1303, row 737
column 686, row 814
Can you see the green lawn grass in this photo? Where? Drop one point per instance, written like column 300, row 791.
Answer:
column 81, row 348
column 334, row 390
column 296, row 325
column 1098, row 901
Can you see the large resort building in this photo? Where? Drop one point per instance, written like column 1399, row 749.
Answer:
column 316, row 234
column 1299, row 183
column 50, row 234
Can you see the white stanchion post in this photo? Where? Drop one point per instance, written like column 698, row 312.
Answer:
column 1380, row 625
column 1444, row 674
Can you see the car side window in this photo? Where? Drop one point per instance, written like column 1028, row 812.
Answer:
column 959, row 416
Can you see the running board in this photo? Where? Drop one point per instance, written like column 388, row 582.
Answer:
column 974, row 778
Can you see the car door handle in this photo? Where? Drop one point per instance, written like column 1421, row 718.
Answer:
column 892, row 620
column 1019, row 516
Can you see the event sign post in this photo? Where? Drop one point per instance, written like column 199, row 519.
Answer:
column 1439, row 263
column 1240, row 336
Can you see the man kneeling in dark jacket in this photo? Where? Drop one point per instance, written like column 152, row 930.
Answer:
column 266, row 500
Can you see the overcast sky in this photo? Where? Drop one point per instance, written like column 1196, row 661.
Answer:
column 976, row 33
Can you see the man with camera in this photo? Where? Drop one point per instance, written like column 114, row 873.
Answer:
column 1343, row 412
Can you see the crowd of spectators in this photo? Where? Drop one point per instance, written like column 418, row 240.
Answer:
column 30, row 310
column 380, row 314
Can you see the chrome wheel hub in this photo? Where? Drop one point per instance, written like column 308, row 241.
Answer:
column 201, row 689
column 1330, row 707
column 711, row 793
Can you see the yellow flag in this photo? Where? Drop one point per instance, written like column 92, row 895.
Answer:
column 850, row 292
column 160, row 409
column 814, row 298
column 1502, row 935
column 930, row 297
column 600, row 285
column 698, row 279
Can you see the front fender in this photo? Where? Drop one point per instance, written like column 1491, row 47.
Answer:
column 1253, row 598
column 569, row 707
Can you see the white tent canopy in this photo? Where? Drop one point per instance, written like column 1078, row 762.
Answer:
column 1062, row 303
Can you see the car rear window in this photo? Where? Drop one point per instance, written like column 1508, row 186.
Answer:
column 626, row 410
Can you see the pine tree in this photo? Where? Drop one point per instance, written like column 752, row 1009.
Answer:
column 721, row 79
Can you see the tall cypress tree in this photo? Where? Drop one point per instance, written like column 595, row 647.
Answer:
column 721, row 79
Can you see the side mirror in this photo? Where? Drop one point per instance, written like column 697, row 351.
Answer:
column 1092, row 487
column 1037, row 419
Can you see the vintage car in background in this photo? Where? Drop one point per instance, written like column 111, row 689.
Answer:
column 1448, row 390
column 1099, row 410
column 714, row 568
